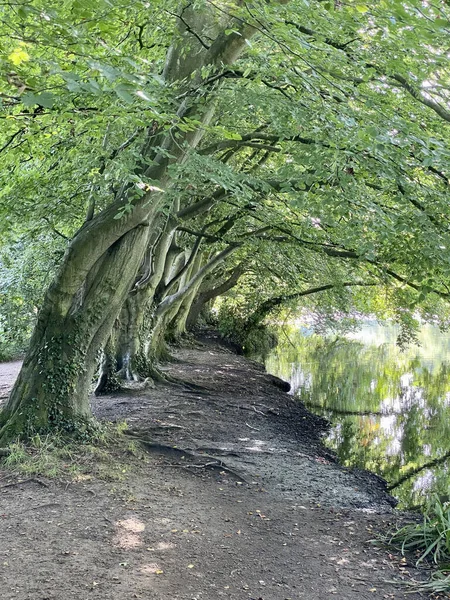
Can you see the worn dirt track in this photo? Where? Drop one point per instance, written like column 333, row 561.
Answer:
column 8, row 374
column 235, row 498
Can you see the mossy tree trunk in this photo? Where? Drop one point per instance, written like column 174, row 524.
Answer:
column 211, row 292
column 53, row 385
column 102, row 261
column 123, row 356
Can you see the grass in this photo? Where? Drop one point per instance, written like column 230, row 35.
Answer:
column 107, row 457
column 429, row 542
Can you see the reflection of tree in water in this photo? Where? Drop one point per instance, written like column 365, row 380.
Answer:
column 390, row 409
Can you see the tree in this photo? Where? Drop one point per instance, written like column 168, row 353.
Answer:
column 102, row 260
column 298, row 123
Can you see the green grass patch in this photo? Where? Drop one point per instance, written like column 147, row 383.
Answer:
column 428, row 540
column 429, row 543
column 109, row 456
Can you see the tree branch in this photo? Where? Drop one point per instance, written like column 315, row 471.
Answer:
column 272, row 303
column 12, row 138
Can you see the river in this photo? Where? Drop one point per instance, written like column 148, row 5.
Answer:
column 389, row 410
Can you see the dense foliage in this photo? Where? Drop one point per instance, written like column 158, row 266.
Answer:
column 291, row 151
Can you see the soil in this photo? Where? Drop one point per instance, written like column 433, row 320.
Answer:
column 8, row 374
column 236, row 498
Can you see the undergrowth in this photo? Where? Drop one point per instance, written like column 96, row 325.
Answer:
column 107, row 457
column 429, row 543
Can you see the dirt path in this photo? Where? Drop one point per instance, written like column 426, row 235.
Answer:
column 248, row 505
column 8, row 374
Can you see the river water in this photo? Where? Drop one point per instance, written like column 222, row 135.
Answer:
column 389, row 410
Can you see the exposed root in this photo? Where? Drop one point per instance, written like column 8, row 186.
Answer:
column 217, row 451
column 30, row 479
column 167, row 427
column 214, row 463
column 252, row 428
column 158, row 376
column 161, row 377
column 165, row 449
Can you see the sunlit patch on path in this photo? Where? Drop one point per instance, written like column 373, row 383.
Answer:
column 128, row 533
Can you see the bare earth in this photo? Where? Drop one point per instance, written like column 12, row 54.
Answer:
column 249, row 505
column 8, row 374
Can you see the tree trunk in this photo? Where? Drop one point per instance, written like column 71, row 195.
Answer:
column 208, row 295
column 102, row 261
column 107, row 381
column 178, row 327
column 52, row 389
column 169, row 307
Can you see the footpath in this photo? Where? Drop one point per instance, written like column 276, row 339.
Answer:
column 222, row 489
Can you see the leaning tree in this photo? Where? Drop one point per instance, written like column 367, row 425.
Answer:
column 313, row 126
column 102, row 260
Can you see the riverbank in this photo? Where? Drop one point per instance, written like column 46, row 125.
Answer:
column 233, row 496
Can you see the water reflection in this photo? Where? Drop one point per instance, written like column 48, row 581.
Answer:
column 390, row 410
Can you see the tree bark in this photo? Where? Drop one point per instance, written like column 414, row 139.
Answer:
column 167, row 310
column 210, row 294
column 102, row 261
column 52, row 390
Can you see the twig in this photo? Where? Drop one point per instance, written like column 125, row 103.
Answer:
column 250, row 427
column 252, row 407
column 12, row 138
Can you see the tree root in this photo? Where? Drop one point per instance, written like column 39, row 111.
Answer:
column 168, row 427
column 33, row 479
column 216, row 466
column 168, row 379
column 217, row 451
column 214, row 463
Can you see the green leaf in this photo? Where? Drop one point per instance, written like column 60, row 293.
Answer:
column 18, row 56
column 123, row 91
column 107, row 71
column 46, row 99
column 230, row 135
column 29, row 99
